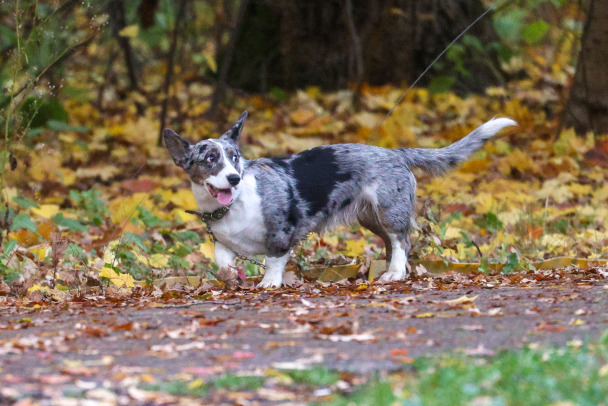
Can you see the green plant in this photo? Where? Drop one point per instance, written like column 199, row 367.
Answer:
column 318, row 376
column 90, row 206
column 238, row 382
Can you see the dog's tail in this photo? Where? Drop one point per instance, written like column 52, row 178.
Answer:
column 438, row 161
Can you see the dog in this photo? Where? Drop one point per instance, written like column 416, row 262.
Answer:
column 270, row 204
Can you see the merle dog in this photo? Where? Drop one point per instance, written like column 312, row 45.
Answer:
column 275, row 203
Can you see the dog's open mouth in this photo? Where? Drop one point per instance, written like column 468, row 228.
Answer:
column 223, row 196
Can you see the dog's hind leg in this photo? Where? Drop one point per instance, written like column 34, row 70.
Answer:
column 397, row 268
column 394, row 207
column 369, row 220
column 397, row 247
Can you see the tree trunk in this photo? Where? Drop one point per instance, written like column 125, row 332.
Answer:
column 297, row 43
column 587, row 108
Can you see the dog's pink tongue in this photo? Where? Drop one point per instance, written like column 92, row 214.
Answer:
column 224, row 196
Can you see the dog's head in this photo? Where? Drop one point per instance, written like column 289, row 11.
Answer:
column 212, row 163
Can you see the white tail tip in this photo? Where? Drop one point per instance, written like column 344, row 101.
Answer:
column 495, row 125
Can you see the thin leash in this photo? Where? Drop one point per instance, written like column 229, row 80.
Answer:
column 218, row 215
column 375, row 130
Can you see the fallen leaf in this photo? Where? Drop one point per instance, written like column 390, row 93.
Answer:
column 461, row 300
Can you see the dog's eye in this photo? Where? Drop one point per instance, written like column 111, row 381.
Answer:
column 235, row 158
column 211, row 158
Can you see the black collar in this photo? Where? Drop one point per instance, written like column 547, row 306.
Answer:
column 216, row 215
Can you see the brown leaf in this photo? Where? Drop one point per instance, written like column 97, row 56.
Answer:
column 291, row 279
column 58, row 245
column 4, row 289
column 139, row 185
column 302, row 116
column 227, row 275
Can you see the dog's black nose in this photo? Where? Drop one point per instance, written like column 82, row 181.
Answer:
column 233, row 179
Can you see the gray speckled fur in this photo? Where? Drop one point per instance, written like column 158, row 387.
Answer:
column 319, row 188
column 388, row 169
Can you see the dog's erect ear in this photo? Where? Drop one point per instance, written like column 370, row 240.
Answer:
column 235, row 132
column 177, row 146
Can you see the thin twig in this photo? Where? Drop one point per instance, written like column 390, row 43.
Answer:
column 425, row 71
column 60, row 58
column 220, row 89
column 352, row 30
column 116, row 10
column 170, row 62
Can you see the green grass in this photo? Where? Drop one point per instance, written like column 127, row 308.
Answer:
column 319, row 376
column 569, row 374
column 375, row 393
column 229, row 382
column 238, row 383
column 512, row 378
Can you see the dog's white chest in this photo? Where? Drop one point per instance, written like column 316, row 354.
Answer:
column 242, row 229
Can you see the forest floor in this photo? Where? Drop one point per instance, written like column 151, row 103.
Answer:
column 248, row 346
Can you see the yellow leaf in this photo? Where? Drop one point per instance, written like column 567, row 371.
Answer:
column 210, row 59
column 129, row 31
column 107, row 273
column 355, row 248
column 207, row 249
column 142, row 132
column 555, row 241
column 125, row 280
column 45, row 166
column 109, row 254
column 46, row 210
column 332, row 240
column 581, row 190
column 68, row 175
column 555, row 190
column 118, row 279
column 114, row 131
column 452, row 232
column 461, row 300
column 197, row 383
column 516, row 160
column 104, row 172
column 485, row 203
column 125, row 208
column 38, row 287
column 425, row 315
column 510, row 218
column 181, row 215
column 475, row 166
column 578, row 322
column 302, row 116
column 183, row 198
column 158, row 260
column 40, row 251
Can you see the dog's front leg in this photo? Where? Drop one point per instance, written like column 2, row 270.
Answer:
column 224, row 259
column 274, row 271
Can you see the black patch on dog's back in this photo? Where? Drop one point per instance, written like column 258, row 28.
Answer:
column 317, row 173
column 280, row 162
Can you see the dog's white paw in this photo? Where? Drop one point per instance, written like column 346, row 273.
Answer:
column 392, row 276
column 270, row 282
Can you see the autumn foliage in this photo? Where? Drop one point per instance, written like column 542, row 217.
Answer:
column 90, row 199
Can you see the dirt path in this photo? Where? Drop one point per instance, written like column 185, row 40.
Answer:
column 48, row 351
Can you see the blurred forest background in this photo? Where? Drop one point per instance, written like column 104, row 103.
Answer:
column 89, row 195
